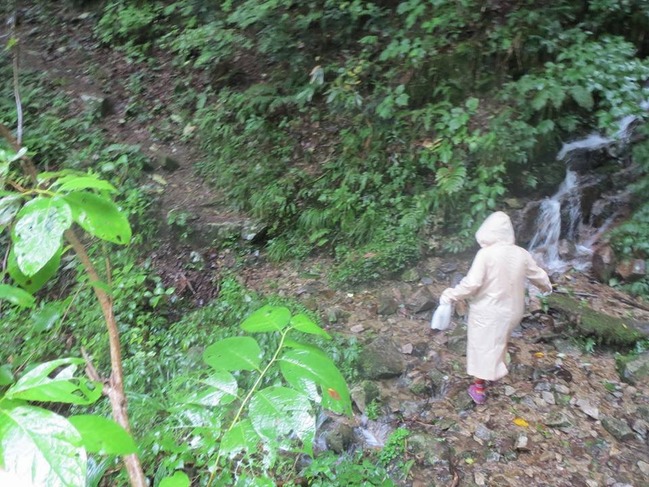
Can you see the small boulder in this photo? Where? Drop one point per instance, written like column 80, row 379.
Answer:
column 381, row 359
column 636, row 371
column 618, row 428
column 631, row 270
column 387, row 306
column 339, row 438
column 603, row 263
column 422, row 300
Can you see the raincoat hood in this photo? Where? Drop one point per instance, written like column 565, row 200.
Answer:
column 496, row 229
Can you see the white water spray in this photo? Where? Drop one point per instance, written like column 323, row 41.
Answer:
column 545, row 244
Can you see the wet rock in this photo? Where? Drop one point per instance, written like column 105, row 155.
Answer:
column 521, row 371
column 407, row 349
column 483, row 433
column 607, row 206
column 438, row 383
column 253, row 231
column 422, row 300
column 457, row 341
column 643, row 412
column 428, row 449
column 381, row 359
column 463, row 402
column 561, row 389
column 641, row 427
column 339, row 438
column 618, row 428
column 364, row 393
column 97, row 106
column 588, row 408
column 603, row 263
column 590, row 322
column 557, row 419
column 447, row 267
column 522, row 443
column 525, row 222
column 357, row 329
column 644, row 468
column 636, row 371
column 387, row 306
column 548, row 397
column 509, row 391
column 411, row 410
column 631, row 270
column 334, row 314
column 410, row 275
column 567, row 249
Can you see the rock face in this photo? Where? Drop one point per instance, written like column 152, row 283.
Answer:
column 618, row 428
column 381, row 359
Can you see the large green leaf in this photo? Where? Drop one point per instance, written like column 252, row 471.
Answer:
column 178, row 479
column 316, row 375
column 303, row 323
column 36, row 385
column 36, row 281
column 278, row 412
column 40, row 447
column 267, row 318
column 99, row 216
column 240, row 438
column 16, row 296
column 76, row 183
column 235, row 353
column 38, row 232
column 221, row 389
column 102, row 435
column 9, row 206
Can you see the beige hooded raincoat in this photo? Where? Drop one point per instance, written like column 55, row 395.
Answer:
column 495, row 287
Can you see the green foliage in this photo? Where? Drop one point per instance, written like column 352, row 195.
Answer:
column 41, row 447
column 134, row 27
column 395, row 446
column 330, row 470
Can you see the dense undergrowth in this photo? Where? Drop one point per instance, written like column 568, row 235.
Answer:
column 352, row 126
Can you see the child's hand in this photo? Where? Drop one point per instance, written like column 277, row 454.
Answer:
column 443, row 299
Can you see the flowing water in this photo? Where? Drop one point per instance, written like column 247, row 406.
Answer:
column 560, row 215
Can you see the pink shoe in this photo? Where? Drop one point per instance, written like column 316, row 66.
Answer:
column 478, row 397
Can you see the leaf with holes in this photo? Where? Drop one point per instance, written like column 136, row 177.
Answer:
column 40, row 447
column 99, row 216
column 38, row 232
column 16, row 296
column 36, row 385
column 310, row 371
column 267, row 318
column 235, row 353
column 276, row 413
column 102, row 435
column 36, row 281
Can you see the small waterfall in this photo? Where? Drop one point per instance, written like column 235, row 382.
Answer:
column 546, row 241
column 562, row 211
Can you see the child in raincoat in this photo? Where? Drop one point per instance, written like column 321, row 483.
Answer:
column 495, row 287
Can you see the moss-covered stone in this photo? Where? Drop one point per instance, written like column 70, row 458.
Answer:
column 608, row 329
